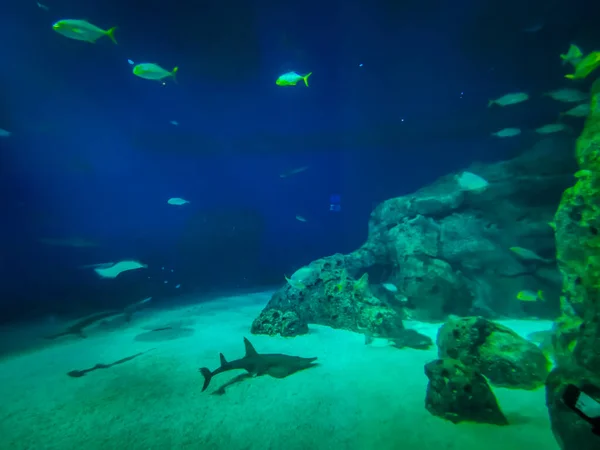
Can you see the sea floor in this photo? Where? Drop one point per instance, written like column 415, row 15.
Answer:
column 358, row 397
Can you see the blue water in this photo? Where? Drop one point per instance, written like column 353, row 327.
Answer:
column 395, row 101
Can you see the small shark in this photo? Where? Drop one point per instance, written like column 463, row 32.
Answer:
column 276, row 365
column 78, row 327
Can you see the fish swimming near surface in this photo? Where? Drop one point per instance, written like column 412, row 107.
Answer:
column 586, row 66
column 176, row 201
column 582, row 110
column 509, row 99
column 82, row 30
column 507, row 132
column 121, row 266
column 292, row 78
column 573, row 55
column 151, row 71
column 276, row 365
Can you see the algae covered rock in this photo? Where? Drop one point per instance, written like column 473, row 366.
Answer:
column 577, row 331
column 504, row 357
column 459, row 393
column 329, row 296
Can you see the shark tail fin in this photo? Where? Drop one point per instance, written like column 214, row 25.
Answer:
column 222, row 358
column 207, row 374
column 250, row 351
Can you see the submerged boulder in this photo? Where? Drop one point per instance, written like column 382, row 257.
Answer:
column 459, row 393
column 504, row 357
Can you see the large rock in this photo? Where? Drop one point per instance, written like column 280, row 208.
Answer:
column 447, row 251
column 504, row 357
column 458, row 393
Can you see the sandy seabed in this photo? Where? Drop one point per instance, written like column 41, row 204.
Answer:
column 358, row 397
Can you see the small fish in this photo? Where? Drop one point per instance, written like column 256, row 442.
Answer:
column 470, row 182
column 296, row 284
column 586, row 66
column 573, row 55
column 301, row 218
column 166, row 281
column 82, row 30
column 390, row 287
column 293, row 172
column 567, row 95
column 582, row 110
column 299, row 277
column 174, row 122
column 178, row 286
column 531, row 296
column 291, row 78
column 150, row 71
column 4, row 133
column 529, row 255
column 122, row 266
column 507, row 132
column 177, row 201
column 509, row 99
column 130, row 62
column 43, row 7
column 551, row 128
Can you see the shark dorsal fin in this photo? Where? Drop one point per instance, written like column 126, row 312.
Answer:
column 223, row 360
column 249, row 349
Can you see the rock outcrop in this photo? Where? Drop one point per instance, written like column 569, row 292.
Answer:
column 447, row 250
column 577, row 338
column 504, row 357
column 458, row 393
column 330, row 296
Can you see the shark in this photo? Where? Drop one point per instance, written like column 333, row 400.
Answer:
column 276, row 365
column 77, row 328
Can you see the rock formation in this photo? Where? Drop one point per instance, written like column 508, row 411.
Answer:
column 458, row 393
column 446, row 249
column 577, row 332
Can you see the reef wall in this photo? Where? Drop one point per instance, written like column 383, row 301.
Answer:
column 446, row 250
column 577, row 331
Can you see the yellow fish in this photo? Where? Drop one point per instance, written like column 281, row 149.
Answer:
column 291, row 78
column 151, row 71
column 573, row 55
column 586, row 66
column 531, row 296
column 82, row 30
